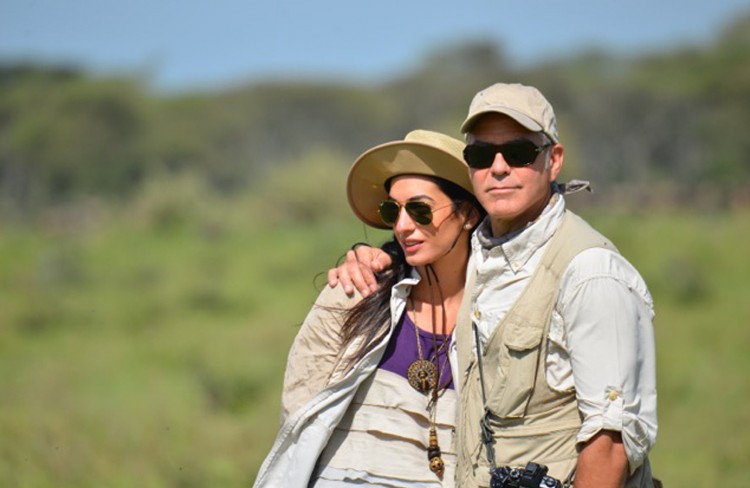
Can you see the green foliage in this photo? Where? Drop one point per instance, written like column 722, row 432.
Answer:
column 62, row 139
column 674, row 117
column 144, row 350
column 698, row 278
column 306, row 191
column 159, row 253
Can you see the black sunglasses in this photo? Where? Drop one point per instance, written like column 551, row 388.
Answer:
column 421, row 212
column 480, row 155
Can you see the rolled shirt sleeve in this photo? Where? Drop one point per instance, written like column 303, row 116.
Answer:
column 602, row 342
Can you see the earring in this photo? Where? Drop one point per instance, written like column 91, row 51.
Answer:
column 467, row 226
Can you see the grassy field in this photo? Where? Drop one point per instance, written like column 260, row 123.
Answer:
column 149, row 351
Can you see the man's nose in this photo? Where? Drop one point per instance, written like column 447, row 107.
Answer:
column 499, row 165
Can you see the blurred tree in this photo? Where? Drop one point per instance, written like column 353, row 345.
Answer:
column 308, row 190
column 61, row 138
column 672, row 118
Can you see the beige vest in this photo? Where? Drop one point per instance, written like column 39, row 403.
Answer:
column 530, row 421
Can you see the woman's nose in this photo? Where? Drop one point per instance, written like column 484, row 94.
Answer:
column 404, row 222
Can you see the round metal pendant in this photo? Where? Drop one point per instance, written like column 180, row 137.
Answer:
column 422, row 375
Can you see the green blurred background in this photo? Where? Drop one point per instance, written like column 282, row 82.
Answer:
column 158, row 251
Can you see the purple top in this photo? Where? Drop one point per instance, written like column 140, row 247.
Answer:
column 402, row 350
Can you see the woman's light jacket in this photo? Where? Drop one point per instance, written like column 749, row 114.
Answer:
column 319, row 384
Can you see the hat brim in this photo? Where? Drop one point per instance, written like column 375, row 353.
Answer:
column 369, row 173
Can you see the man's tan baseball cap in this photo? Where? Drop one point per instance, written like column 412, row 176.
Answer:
column 421, row 152
column 524, row 104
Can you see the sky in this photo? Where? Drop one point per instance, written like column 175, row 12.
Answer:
column 183, row 45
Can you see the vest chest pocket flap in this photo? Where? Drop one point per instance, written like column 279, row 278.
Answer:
column 512, row 362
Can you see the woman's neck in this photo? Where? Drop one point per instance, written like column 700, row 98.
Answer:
column 435, row 300
column 444, row 281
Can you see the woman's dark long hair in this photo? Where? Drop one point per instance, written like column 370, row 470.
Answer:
column 367, row 318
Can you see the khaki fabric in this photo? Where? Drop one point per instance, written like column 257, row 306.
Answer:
column 385, row 433
column 320, row 382
column 530, row 421
column 317, row 357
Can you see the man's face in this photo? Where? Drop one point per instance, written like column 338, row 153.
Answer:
column 513, row 196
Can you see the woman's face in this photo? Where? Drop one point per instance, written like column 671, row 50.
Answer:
column 444, row 237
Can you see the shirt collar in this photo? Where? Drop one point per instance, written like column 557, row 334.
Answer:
column 403, row 287
column 518, row 246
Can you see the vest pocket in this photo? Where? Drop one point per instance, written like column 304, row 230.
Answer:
column 518, row 363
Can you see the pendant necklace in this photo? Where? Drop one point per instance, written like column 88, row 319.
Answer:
column 424, row 376
column 422, row 373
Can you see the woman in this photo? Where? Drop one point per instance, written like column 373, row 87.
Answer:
column 368, row 392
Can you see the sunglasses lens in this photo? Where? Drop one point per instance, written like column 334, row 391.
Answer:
column 420, row 212
column 520, row 153
column 388, row 211
column 481, row 155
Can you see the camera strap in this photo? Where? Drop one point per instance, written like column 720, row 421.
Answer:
column 488, row 438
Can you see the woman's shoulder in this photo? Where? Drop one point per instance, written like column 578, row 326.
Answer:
column 336, row 298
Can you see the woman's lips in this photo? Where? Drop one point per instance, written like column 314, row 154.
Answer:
column 411, row 247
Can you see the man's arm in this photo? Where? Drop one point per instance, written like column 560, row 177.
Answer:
column 358, row 270
column 607, row 316
column 602, row 462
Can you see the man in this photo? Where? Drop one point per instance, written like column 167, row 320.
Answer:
column 563, row 321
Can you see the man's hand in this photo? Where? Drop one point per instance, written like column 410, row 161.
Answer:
column 358, row 270
column 602, row 462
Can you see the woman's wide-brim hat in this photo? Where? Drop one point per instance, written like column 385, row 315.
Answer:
column 422, row 152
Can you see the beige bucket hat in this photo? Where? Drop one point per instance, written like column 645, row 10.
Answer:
column 525, row 104
column 421, row 152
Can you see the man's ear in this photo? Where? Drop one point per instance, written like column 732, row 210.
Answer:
column 472, row 216
column 556, row 157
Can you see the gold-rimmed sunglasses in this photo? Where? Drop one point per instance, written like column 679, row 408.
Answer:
column 420, row 212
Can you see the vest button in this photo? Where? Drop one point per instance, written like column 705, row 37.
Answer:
column 613, row 395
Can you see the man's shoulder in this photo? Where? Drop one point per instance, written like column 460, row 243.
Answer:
column 572, row 237
column 582, row 231
column 604, row 265
column 595, row 251
column 596, row 257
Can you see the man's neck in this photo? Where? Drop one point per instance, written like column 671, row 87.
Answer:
column 504, row 227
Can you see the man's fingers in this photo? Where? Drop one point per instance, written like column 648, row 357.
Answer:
column 357, row 273
column 380, row 262
column 333, row 280
column 358, row 270
column 369, row 283
column 353, row 274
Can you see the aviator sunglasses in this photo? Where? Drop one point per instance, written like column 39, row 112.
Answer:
column 420, row 212
column 523, row 152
